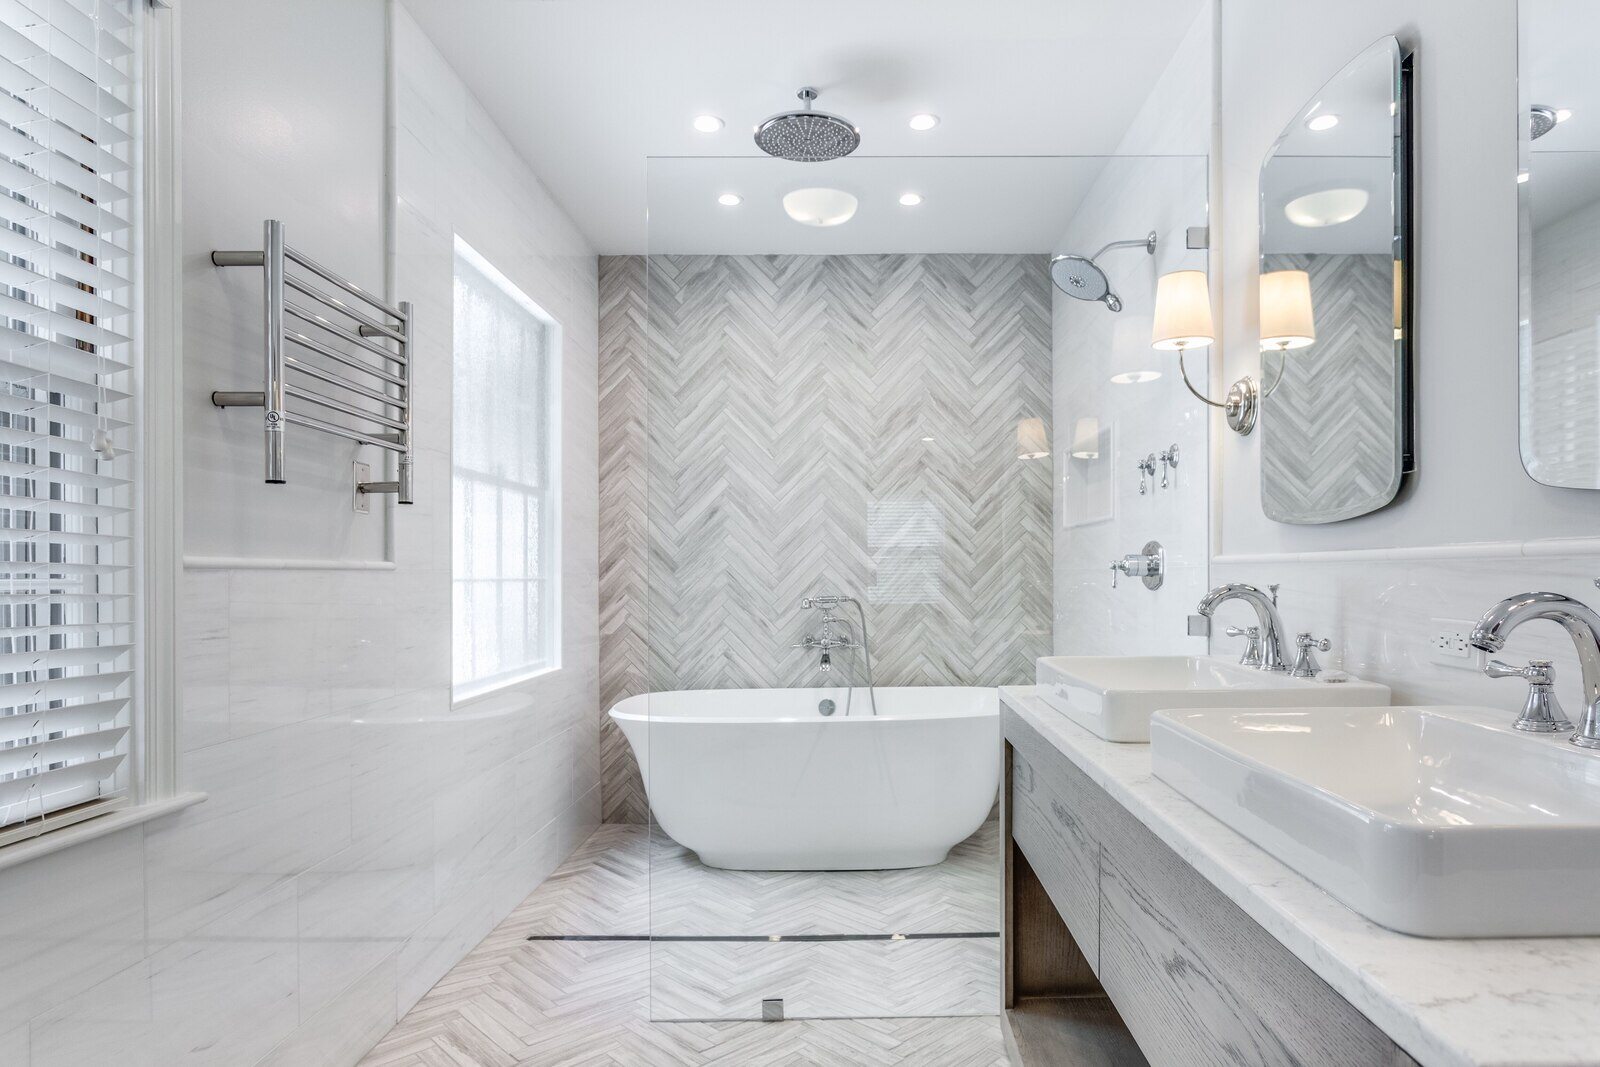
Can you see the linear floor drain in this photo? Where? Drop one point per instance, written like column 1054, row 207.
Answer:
column 772, row 1010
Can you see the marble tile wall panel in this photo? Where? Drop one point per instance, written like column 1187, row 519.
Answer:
column 789, row 425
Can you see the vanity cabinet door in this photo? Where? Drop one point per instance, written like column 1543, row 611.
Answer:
column 1053, row 814
column 1199, row 982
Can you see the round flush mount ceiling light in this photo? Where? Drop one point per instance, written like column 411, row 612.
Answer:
column 707, row 123
column 819, row 206
column 1318, row 123
column 924, row 122
column 730, row 199
column 910, row 199
column 1327, row 207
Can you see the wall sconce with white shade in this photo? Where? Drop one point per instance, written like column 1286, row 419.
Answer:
column 1182, row 322
column 1032, row 443
column 1287, row 322
column 1086, row 438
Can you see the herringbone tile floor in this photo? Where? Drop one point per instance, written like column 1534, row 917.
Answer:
column 518, row 1003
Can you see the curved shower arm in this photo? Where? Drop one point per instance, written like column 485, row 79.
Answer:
column 1147, row 242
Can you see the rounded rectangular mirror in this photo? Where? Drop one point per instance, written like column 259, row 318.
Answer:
column 1558, row 199
column 1335, row 310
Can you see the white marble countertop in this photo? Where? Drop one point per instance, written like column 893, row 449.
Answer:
column 1526, row 1002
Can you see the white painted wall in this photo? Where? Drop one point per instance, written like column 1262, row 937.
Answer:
column 1157, row 182
column 361, row 833
column 1470, row 486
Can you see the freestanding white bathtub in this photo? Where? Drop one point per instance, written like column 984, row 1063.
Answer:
column 760, row 780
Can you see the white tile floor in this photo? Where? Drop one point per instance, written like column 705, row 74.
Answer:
column 513, row 1001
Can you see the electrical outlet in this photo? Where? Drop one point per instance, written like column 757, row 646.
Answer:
column 1449, row 644
column 361, row 502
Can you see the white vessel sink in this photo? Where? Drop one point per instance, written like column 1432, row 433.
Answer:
column 1442, row 822
column 1114, row 696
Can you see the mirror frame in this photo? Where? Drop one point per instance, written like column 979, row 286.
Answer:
column 1403, row 169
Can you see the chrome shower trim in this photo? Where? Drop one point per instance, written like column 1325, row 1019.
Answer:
column 807, row 135
column 1106, row 295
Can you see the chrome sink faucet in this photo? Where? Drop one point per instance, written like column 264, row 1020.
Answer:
column 1269, row 623
column 1581, row 624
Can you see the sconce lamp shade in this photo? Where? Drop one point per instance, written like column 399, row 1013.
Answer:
column 1183, row 312
column 1031, row 440
column 1286, row 320
column 1086, row 438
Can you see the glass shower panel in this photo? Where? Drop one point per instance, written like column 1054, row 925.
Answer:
column 840, row 441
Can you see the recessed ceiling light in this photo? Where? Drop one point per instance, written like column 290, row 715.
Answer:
column 730, row 199
column 1327, row 207
column 1319, row 123
column 1563, row 114
column 707, row 123
column 820, row 207
column 1135, row 377
column 910, row 199
column 924, row 121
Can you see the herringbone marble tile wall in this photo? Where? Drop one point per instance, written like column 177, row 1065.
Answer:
column 1330, row 439
column 773, row 426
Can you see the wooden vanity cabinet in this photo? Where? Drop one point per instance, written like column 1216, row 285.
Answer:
column 1176, row 973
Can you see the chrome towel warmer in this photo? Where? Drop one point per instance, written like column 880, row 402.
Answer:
column 375, row 343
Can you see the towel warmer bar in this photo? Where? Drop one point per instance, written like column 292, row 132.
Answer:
column 375, row 342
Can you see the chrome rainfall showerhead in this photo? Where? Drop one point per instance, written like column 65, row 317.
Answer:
column 1541, row 120
column 807, row 136
column 1081, row 278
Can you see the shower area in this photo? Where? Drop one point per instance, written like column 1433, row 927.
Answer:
column 832, row 477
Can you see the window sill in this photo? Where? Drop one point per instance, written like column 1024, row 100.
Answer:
column 53, row 841
column 473, row 694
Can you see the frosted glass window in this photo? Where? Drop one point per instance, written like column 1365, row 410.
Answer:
column 506, row 559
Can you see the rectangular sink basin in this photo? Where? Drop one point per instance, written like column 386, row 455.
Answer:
column 1440, row 822
column 1114, row 696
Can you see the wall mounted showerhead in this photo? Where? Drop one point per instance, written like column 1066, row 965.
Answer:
column 1541, row 120
column 807, row 136
column 1081, row 278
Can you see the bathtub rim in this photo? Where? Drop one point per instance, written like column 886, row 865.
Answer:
column 619, row 714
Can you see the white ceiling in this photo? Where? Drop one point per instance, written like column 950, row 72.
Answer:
column 1558, row 47
column 589, row 90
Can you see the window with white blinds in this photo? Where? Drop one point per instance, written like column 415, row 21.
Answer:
column 69, row 83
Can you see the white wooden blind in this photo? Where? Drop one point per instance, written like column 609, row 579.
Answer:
column 68, row 141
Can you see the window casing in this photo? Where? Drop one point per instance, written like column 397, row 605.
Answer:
column 506, row 596
column 70, row 661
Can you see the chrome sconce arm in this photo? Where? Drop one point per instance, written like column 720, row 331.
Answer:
column 1241, row 403
column 1182, row 322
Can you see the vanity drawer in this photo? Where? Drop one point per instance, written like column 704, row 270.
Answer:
column 1199, row 982
column 1053, row 815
